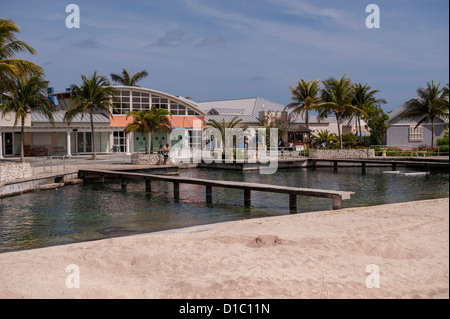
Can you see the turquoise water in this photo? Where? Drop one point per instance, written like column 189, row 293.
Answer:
column 95, row 211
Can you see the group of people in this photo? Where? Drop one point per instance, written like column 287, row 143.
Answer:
column 282, row 146
column 163, row 154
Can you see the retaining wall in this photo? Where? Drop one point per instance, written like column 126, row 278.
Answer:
column 342, row 154
column 13, row 171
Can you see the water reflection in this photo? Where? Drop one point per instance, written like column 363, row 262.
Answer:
column 101, row 210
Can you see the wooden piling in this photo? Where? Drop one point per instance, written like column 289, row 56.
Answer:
column 247, row 197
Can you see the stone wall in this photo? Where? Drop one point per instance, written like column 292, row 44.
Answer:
column 147, row 159
column 338, row 154
column 13, row 171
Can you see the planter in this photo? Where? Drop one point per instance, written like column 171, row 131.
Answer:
column 147, row 159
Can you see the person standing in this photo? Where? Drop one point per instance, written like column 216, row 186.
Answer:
column 281, row 146
column 160, row 154
column 166, row 153
column 291, row 148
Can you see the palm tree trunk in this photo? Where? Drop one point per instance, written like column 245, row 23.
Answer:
column 360, row 128
column 307, row 125
column 93, row 136
column 22, row 140
column 432, row 131
column 338, row 120
column 151, row 142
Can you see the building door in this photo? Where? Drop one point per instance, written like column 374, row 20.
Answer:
column 84, row 142
column 9, row 144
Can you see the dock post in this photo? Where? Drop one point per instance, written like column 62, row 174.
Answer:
column 209, row 194
column 293, row 203
column 148, row 185
column 176, row 191
column 101, row 179
column 124, row 185
column 337, row 202
column 394, row 166
column 363, row 168
column 247, row 198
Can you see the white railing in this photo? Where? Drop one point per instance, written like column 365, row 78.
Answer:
column 409, row 150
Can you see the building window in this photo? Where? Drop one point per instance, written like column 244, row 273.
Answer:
column 120, row 141
column 135, row 100
column 415, row 134
column 123, row 103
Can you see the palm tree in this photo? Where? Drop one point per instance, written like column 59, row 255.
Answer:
column 9, row 46
column 305, row 96
column 363, row 97
column 149, row 122
column 337, row 98
column 26, row 94
column 94, row 95
column 431, row 102
column 126, row 79
column 223, row 126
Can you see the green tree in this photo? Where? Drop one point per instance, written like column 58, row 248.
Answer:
column 128, row 80
column 149, row 122
column 377, row 123
column 11, row 67
column 363, row 98
column 304, row 98
column 443, row 140
column 93, row 96
column 26, row 93
column 431, row 102
column 337, row 96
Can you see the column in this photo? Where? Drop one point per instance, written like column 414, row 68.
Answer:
column 68, row 144
column 111, row 141
column 127, row 140
column 1, row 145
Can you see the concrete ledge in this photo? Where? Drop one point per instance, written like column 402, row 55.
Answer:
column 342, row 154
column 24, row 185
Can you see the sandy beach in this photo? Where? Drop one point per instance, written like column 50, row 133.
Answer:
column 313, row 255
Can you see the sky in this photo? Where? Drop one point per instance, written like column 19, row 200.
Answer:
column 229, row 49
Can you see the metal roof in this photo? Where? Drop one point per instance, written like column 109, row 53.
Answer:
column 250, row 119
column 248, row 106
column 58, row 116
column 219, row 111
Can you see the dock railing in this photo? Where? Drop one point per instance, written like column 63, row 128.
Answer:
column 409, row 150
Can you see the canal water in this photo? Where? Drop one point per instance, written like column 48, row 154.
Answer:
column 102, row 210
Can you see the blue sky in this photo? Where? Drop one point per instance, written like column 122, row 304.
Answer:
column 212, row 50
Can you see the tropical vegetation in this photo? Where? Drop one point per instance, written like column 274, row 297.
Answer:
column 10, row 66
column 364, row 99
column 337, row 98
column 26, row 94
column 127, row 79
column 431, row 102
column 149, row 121
column 94, row 95
column 305, row 97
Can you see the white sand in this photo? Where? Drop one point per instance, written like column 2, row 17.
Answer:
column 314, row 255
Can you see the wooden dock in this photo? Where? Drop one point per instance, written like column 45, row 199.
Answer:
column 426, row 164
column 293, row 192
